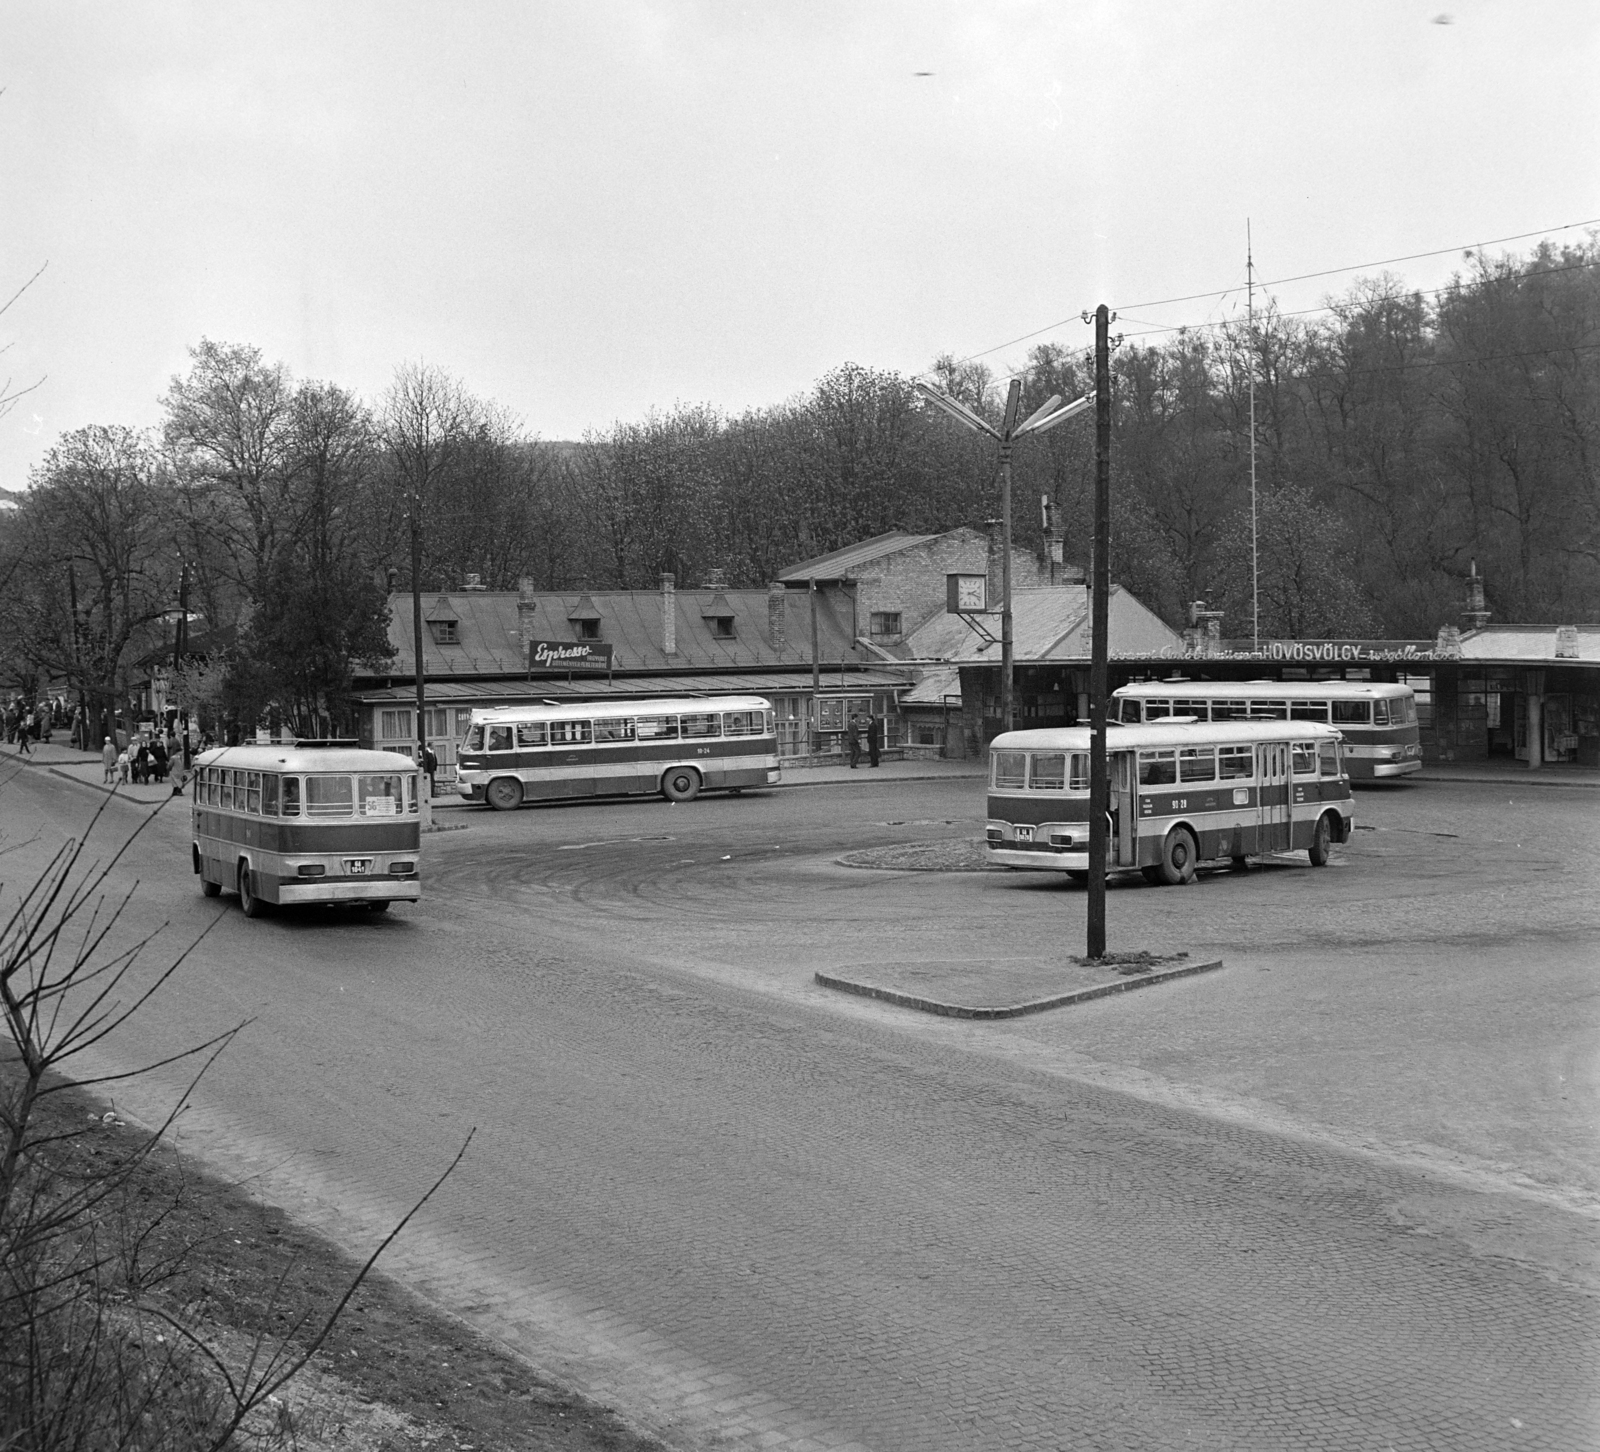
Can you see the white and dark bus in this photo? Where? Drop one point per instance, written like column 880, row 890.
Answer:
column 306, row 823
column 1377, row 719
column 1181, row 795
column 678, row 746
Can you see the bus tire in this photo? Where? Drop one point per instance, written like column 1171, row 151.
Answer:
column 252, row 905
column 504, row 794
column 1241, row 864
column 1178, row 854
column 1321, row 848
column 1078, row 879
column 680, row 784
column 380, row 906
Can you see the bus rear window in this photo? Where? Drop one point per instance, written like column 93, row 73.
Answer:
column 1158, row 768
column 291, row 796
column 1352, row 713
column 380, row 796
column 1010, row 769
column 329, row 796
column 1048, row 772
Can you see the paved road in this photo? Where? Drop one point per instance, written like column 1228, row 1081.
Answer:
column 745, row 1209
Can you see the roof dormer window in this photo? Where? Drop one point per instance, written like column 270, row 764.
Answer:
column 445, row 632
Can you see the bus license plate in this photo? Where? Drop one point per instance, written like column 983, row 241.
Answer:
column 358, row 866
column 1024, row 834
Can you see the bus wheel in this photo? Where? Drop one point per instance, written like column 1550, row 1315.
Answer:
column 252, row 905
column 381, row 906
column 1241, row 864
column 1321, row 842
column 1078, row 879
column 681, row 784
column 1177, row 858
column 504, row 794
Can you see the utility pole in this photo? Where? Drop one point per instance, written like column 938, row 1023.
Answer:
column 1099, row 785
column 1013, row 403
column 424, row 781
column 815, row 744
column 1255, row 571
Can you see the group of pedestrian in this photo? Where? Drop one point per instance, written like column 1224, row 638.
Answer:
column 861, row 730
column 26, row 724
column 143, row 760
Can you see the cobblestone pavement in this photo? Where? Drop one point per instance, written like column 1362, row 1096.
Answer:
column 755, row 1221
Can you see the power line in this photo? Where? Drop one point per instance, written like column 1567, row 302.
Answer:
column 1278, row 282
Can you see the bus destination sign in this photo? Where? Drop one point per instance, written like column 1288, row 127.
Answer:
column 568, row 655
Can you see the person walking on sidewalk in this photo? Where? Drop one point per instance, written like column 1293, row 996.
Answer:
column 25, row 737
column 108, row 758
column 852, row 741
column 874, row 739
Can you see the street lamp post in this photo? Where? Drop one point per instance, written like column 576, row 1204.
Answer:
column 1047, row 416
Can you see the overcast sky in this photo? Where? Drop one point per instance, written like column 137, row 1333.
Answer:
column 589, row 210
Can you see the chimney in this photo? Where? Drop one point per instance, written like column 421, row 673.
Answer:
column 527, row 630
column 474, row 582
column 1475, row 616
column 716, row 580
column 669, row 615
column 777, row 600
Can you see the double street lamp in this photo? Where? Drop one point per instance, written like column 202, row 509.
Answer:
column 1052, row 412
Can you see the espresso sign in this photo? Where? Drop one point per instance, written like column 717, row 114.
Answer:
column 568, row 655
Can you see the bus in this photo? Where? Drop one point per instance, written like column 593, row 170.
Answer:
column 678, row 746
column 1377, row 720
column 1180, row 795
column 308, row 822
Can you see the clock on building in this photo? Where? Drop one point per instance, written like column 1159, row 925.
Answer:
column 966, row 594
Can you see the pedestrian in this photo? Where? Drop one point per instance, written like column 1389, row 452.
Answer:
column 158, row 759
column 874, row 735
column 140, row 761
column 430, row 765
column 108, row 758
column 25, row 737
column 852, row 741
column 123, row 766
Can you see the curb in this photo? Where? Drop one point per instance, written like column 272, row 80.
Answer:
column 1530, row 780
column 936, row 776
column 104, row 790
column 1038, row 1005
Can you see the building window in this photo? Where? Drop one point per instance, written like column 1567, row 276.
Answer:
column 722, row 626
column 886, row 622
column 586, row 629
column 394, row 725
column 445, row 632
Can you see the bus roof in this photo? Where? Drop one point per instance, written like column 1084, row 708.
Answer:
column 1262, row 690
column 286, row 756
column 1164, row 733
column 585, row 710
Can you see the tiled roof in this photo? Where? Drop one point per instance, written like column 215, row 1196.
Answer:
column 841, row 563
column 1048, row 623
column 489, row 639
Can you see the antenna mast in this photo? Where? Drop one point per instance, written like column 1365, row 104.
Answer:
column 1255, row 567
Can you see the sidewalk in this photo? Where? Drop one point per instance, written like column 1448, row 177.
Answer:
column 1507, row 773
column 80, row 766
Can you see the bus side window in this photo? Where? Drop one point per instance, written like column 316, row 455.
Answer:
column 213, row 786
column 708, row 724
column 1200, row 710
column 226, row 798
column 1270, row 710
column 252, row 795
column 569, row 733
column 741, row 723
column 656, row 728
column 412, row 788
column 1011, row 769
column 1129, row 711
column 1304, row 755
column 269, row 794
column 1352, row 713
column 1328, row 755
column 1308, row 710
column 1197, row 763
column 291, row 796
column 1158, row 768
column 530, row 733
column 1229, row 710
column 1234, row 762
column 613, row 730
column 1157, row 710
column 500, row 738
column 1079, row 780
column 473, row 740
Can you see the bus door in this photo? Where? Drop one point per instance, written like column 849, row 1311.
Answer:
column 1122, row 849
column 1272, row 779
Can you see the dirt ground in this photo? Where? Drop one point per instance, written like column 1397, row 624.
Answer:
column 394, row 1375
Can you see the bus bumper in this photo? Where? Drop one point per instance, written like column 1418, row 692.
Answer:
column 470, row 791
column 1040, row 859
column 1397, row 768
column 376, row 890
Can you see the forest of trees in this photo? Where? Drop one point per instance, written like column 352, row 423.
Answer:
column 1399, row 438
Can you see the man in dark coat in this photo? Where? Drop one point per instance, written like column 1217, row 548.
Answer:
column 874, row 739
column 852, row 741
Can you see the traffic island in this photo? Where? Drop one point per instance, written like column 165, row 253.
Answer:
column 1009, row 988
